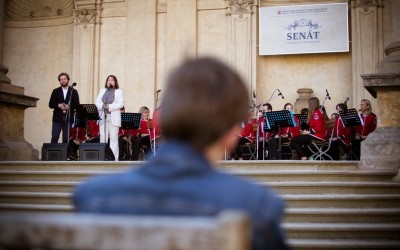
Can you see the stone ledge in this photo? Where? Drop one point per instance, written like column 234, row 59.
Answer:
column 384, row 81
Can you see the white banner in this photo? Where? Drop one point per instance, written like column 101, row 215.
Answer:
column 299, row 29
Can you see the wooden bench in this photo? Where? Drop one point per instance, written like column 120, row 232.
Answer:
column 229, row 230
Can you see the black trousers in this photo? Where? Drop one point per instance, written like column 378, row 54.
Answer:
column 356, row 148
column 128, row 152
column 300, row 142
column 56, row 129
column 334, row 149
column 238, row 150
column 273, row 143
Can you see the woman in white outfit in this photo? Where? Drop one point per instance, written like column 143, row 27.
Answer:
column 109, row 102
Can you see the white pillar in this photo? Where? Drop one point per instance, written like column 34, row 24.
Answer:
column 242, row 39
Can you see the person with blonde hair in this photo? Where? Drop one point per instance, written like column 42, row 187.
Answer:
column 369, row 122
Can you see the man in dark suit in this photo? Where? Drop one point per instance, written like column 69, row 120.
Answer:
column 59, row 100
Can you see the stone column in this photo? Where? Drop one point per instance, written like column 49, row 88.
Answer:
column 86, row 50
column 381, row 149
column 367, row 44
column 13, row 103
column 242, row 39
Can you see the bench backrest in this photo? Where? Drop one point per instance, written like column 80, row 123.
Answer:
column 229, row 230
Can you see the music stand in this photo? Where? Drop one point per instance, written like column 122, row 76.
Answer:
column 85, row 112
column 350, row 118
column 280, row 119
column 302, row 120
column 130, row 120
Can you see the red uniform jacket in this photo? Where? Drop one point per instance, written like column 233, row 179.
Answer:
column 341, row 132
column 317, row 125
column 144, row 127
column 93, row 129
column 155, row 130
column 77, row 133
column 248, row 130
column 127, row 132
column 369, row 124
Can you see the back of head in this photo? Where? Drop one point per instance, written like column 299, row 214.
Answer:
column 204, row 98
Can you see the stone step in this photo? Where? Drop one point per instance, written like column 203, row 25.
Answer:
column 49, row 198
column 292, row 215
column 38, row 186
column 292, row 201
column 334, row 187
column 69, row 165
column 317, row 187
column 39, row 208
column 289, row 165
column 311, row 175
column 342, row 215
column 51, row 175
column 342, row 200
column 228, row 165
column 342, row 231
column 343, row 244
column 255, row 175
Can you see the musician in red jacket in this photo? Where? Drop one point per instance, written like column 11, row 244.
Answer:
column 264, row 136
column 76, row 137
column 287, row 134
column 247, row 135
column 128, row 143
column 341, row 134
column 368, row 126
column 144, row 130
column 317, row 129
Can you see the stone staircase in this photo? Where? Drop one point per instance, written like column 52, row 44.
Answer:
column 329, row 205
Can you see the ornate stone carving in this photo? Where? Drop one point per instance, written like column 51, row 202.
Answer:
column 85, row 16
column 368, row 3
column 240, row 5
column 29, row 9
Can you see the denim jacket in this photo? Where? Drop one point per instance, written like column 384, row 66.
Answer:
column 180, row 181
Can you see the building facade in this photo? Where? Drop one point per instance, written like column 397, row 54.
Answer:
column 140, row 41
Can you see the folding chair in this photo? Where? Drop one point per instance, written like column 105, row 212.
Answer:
column 249, row 150
column 319, row 149
column 291, row 154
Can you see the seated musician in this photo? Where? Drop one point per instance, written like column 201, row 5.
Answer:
column 287, row 134
column 93, row 134
column 362, row 131
column 341, row 134
column 76, row 137
column 264, row 136
column 143, row 132
column 128, row 143
column 247, row 135
column 316, row 122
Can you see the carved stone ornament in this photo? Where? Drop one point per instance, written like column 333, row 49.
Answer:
column 85, row 16
column 240, row 5
column 36, row 9
column 365, row 4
